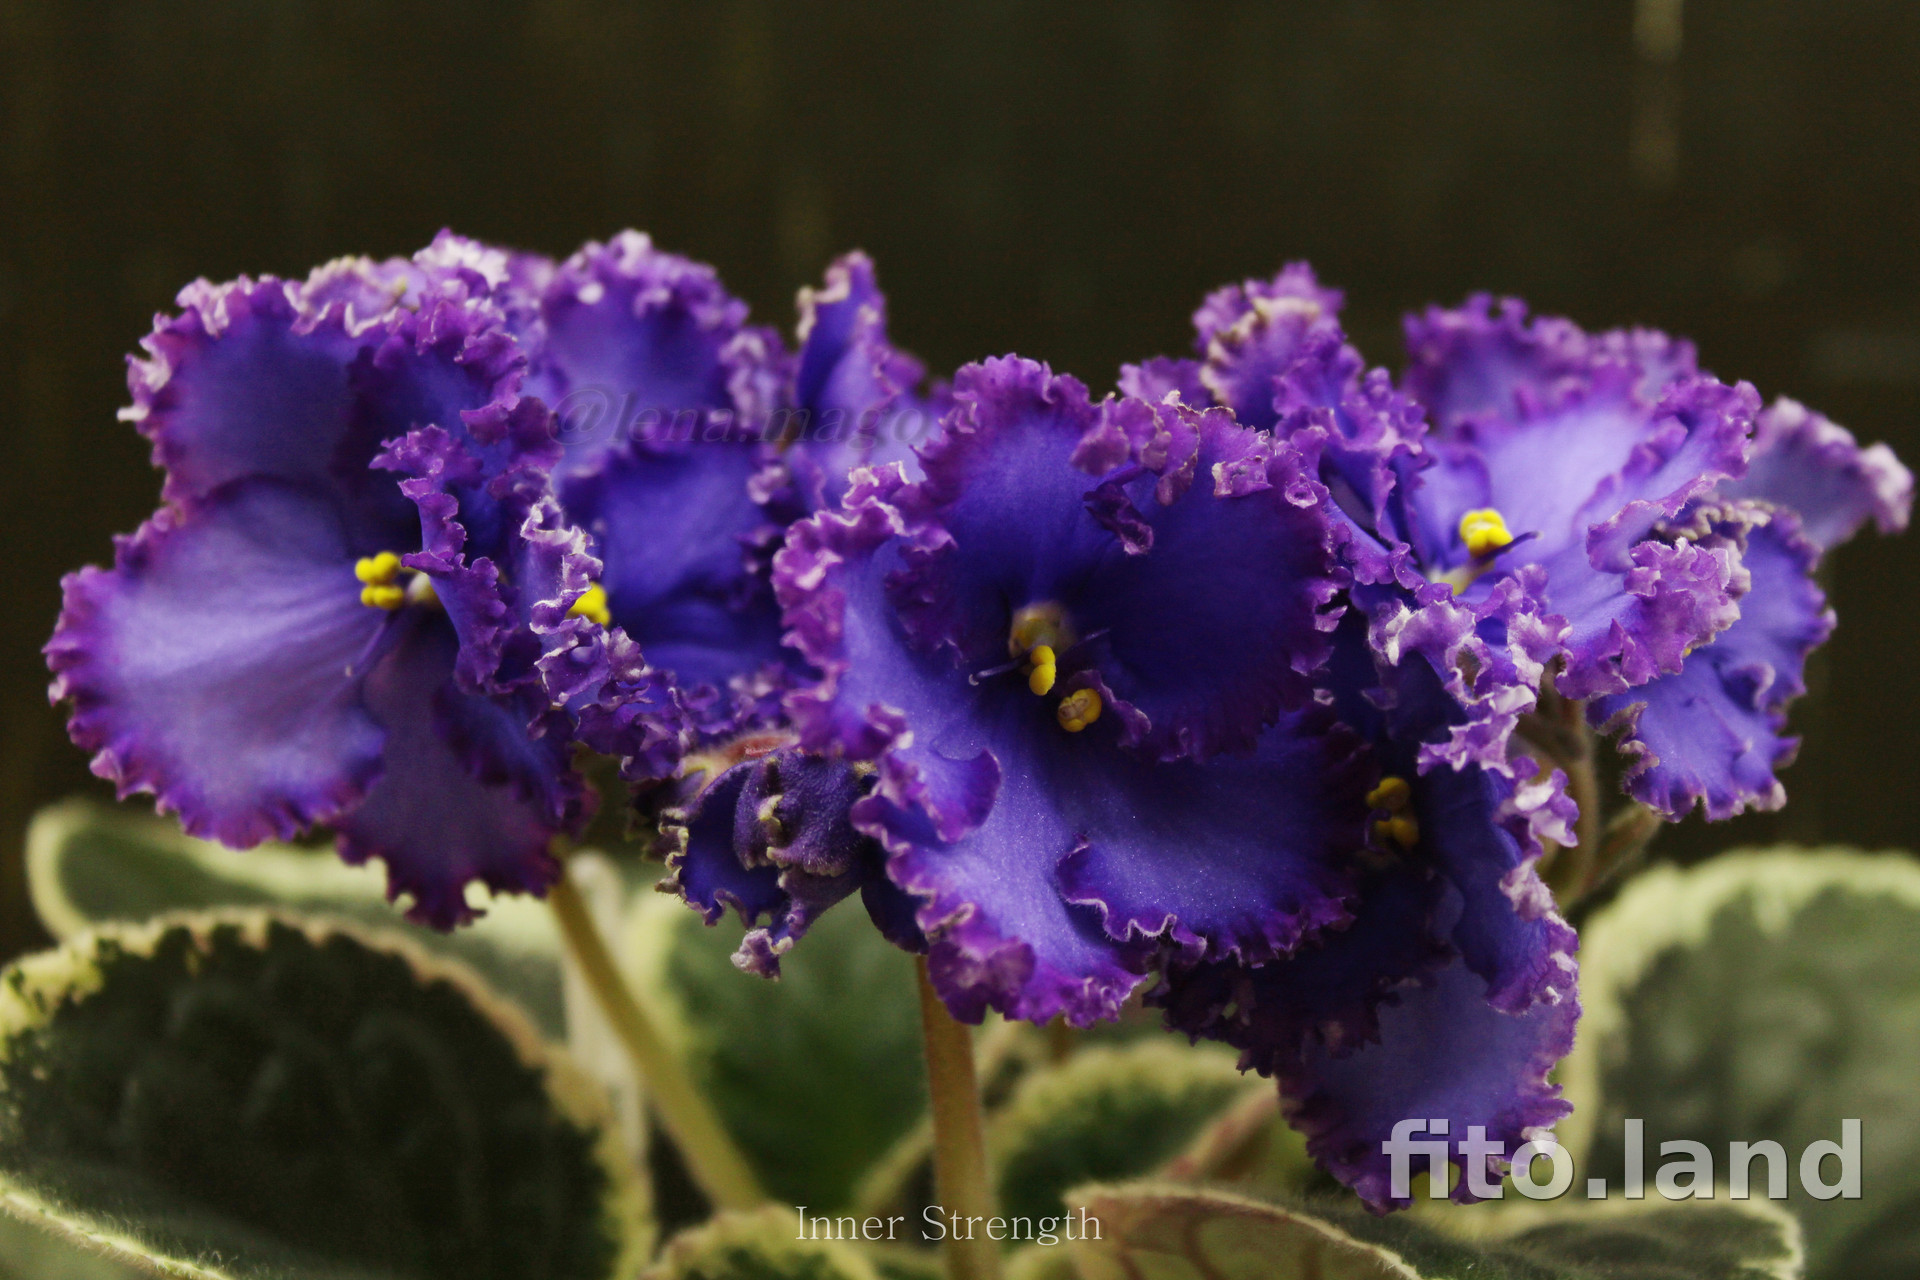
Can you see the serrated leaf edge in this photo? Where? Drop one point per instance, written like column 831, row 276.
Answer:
column 752, row 1227
column 1164, row 1064
column 1389, row 1262
column 514, row 923
column 31, row 987
column 1492, row 1222
column 1668, row 907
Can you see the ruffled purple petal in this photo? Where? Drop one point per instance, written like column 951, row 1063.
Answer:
column 849, row 380
column 704, row 868
column 1444, row 1053
column 1156, row 379
column 1365, row 441
column 452, row 365
column 1628, row 627
column 363, row 290
column 1231, row 304
column 1216, row 628
column 681, row 540
column 1714, row 732
column 1240, row 856
column 466, row 793
column 618, row 705
column 1203, row 609
column 1252, row 334
column 1373, row 1025
column 1000, row 934
column 213, row 665
column 248, row 381
column 635, row 343
column 1053, row 866
column 1479, row 829
column 1487, row 360
column 1490, row 651
column 773, row 837
column 1805, row 462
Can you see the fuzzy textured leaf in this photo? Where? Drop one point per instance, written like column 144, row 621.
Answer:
column 762, row 1245
column 1164, row 1232
column 1765, row 995
column 91, row 864
column 235, row 1095
column 1108, row 1113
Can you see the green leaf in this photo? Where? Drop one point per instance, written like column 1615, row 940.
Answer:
column 762, row 1245
column 234, row 1095
column 1249, row 1143
column 1108, row 1112
column 89, row 864
column 1764, row 996
column 816, row 1075
column 1165, row 1232
column 38, row 1250
column 1041, row 1262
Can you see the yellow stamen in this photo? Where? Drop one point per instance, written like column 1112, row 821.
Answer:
column 1078, row 710
column 592, row 605
column 384, row 596
column 1392, row 794
column 1484, row 531
column 377, row 571
column 1034, row 625
column 1045, row 669
column 1401, row 830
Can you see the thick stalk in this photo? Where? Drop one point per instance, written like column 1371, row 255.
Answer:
column 959, row 1140
column 711, row 1157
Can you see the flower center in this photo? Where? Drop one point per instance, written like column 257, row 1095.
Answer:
column 1393, row 796
column 1045, row 624
column 387, row 584
column 1484, row 532
column 1037, row 636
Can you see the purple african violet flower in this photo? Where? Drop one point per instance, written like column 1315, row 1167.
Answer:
column 692, row 439
column 1274, row 351
column 771, row 833
column 324, row 624
column 1709, row 512
column 854, row 393
column 1079, row 654
column 1451, row 994
column 662, row 389
column 1582, row 506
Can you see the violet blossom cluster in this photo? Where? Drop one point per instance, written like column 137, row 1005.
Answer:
column 1211, row 689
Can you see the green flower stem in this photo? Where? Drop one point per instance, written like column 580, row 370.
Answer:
column 959, row 1136
column 1558, row 732
column 1576, row 871
column 711, row 1157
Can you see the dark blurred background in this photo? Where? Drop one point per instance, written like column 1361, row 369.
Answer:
column 1066, row 180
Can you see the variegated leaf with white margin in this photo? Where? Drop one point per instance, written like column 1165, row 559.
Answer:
column 241, row 1095
column 1763, row 996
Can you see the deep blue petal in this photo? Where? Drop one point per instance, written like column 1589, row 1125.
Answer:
column 1715, row 731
